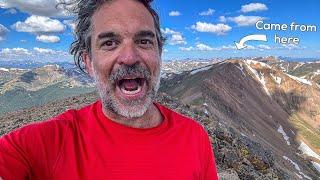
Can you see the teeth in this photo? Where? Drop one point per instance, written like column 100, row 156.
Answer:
column 130, row 92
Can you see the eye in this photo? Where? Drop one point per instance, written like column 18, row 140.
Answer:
column 109, row 44
column 145, row 43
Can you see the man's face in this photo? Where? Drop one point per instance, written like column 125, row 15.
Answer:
column 125, row 59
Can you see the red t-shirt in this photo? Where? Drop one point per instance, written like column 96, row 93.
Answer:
column 85, row 144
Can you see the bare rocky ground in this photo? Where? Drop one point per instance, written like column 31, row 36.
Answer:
column 236, row 156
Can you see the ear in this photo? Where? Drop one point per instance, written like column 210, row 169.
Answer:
column 88, row 63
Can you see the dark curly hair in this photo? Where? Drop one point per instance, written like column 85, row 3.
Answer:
column 84, row 10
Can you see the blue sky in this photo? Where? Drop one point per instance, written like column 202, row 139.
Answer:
column 35, row 30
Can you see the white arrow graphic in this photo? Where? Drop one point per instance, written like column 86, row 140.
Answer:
column 255, row 37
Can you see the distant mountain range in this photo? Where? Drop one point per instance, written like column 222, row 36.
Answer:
column 262, row 113
column 298, row 59
column 24, row 88
column 32, row 64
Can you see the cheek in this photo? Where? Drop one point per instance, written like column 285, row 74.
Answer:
column 154, row 63
column 102, row 66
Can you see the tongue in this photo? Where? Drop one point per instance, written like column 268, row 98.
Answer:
column 130, row 84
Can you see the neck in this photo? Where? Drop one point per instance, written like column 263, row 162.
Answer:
column 150, row 119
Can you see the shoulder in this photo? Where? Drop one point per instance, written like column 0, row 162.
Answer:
column 34, row 148
column 42, row 135
column 179, row 120
column 45, row 134
column 59, row 123
column 54, row 125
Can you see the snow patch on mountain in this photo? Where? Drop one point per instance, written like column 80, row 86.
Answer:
column 316, row 73
column 282, row 68
column 308, row 151
column 292, row 132
column 260, row 77
column 4, row 69
column 298, row 65
column 249, row 62
column 296, row 166
column 316, row 165
column 206, row 111
column 276, row 79
column 19, row 69
column 285, row 136
column 241, row 69
column 52, row 65
column 253, row 71
column 200, row 69
column 301, row 80
column 263, row 82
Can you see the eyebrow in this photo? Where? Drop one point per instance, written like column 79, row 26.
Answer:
column 145, row 33
column 107, row 35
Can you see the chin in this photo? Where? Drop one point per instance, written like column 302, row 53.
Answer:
column 126, row 108
column 133, row 109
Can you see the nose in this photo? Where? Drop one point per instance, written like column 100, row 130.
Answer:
column 128, row 55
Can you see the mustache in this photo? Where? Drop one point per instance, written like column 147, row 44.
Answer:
column 124, row 71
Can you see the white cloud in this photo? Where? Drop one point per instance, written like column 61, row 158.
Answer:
column 165, row 50
column 48, row 39
column 249, row 47
column 39, row 25
column 44, row 51
column 209, row 12
column 168, row 31
column 291, row 47
column 186, row 48
column 228, row 47
column 264, row 47
column 7, row 52
column 174, row 13
column 38, row 54
column 175, row 36
column 222, row 19
column 245, row 20
column 253, row 7
column 203, row 47
column 71, row 24
column 3, row 32
column 199, row 47
column 38, row 7
column 219, row 29
column 177, row 39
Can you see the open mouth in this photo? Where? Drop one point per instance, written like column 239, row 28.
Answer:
column 131, row 86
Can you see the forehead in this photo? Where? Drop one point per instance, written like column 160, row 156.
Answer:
column 122, row 16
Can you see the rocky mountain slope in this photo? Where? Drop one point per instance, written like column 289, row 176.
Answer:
column 265, row 104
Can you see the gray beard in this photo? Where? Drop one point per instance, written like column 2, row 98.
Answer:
column 133, row 109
